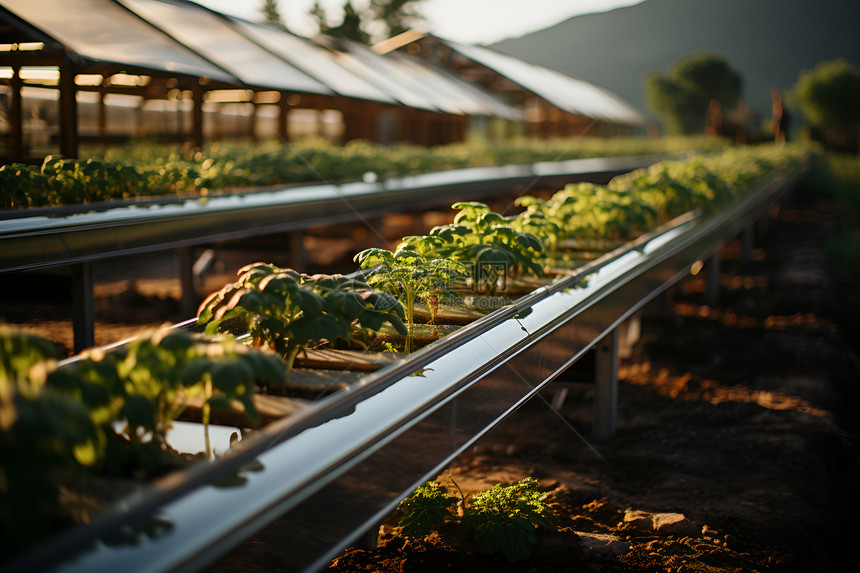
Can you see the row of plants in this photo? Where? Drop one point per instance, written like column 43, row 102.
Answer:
column 149, row 169
column 107, row 413
column 483, row 253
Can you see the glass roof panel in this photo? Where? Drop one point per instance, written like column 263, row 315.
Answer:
column 210, row 34
column 566, row 93
column 313, row 60
column 102, row 31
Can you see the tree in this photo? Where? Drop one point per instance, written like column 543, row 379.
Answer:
column 383, row 19
column 682, row 97
column 829, row 94
column 350, row 27
column 397, row 16
column 271, row 14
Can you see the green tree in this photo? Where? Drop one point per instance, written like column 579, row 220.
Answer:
column 382, row 19
column 350, row 27
column 828, row 95
column 681, row 97
column 396, row 16
column 271, row 13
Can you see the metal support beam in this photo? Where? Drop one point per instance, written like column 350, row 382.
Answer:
column 747, row 244
column 283, row 117
column 16, row 117
column 298, row 255
column 188, row 297
column 606, row 387
column 83, row 308
column 197, row 116
column 712, row 279
column 68, row 111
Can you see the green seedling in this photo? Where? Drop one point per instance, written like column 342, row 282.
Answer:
column 289, row 311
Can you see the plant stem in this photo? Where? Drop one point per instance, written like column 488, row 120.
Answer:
column 207, row 394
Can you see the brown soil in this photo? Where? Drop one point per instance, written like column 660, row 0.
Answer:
column 742, row 416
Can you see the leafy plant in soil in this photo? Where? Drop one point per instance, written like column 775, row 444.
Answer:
column 41, row 433
column 148, row 383
column 411, row 275
column 426, row 509
column 289, row 311
column 106, row 413
column 487, row 242
column 502, row 521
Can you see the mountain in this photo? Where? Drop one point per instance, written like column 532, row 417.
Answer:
column 770, row 42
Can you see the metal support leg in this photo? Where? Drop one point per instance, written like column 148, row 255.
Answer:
column 83, row 307
column 712, row 279
column 298, row 256
column 747, row 244
column 606, row 387
column 188, row 296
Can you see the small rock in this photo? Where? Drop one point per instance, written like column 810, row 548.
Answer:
column 639, row 520
column 674, row 524
column 709, row 532
column 603, row 544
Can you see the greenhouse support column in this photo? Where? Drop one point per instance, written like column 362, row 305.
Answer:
column 283, row 117
column 197, row 116
column 252, row 122
column 747, row 244
column 68, row 111
column 16, row 117
column 83, row 308
column 606, row 387
column 712, row 279
column 188, row 294
column 298, row 255
column 102, row 128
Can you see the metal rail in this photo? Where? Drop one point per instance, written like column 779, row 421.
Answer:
column 80, row 235
column 315, row 482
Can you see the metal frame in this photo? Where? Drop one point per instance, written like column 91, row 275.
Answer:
column 332, row 473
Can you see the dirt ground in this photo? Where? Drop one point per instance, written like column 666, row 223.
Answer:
column 742, row 417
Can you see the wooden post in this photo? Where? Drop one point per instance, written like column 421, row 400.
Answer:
column 298, row 255
column 83, row 307
column 606, row 387
column 196, row 116
column 283, row 118
column 712, row 279
column 16, row 116
column 252, row 121
column 747, row 244
column 102, row 119
column 188, row 294
column 68, row 111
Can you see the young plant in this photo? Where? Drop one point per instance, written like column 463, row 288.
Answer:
column 504, row 520
column 148, row 383
column 410, row 275
column 486, row 241
column 425, row 510
column 43, row 434
column 289, row 311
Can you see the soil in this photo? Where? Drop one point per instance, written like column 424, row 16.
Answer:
column 736, row 448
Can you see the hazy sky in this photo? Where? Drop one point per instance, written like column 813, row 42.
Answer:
column 468, row 21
